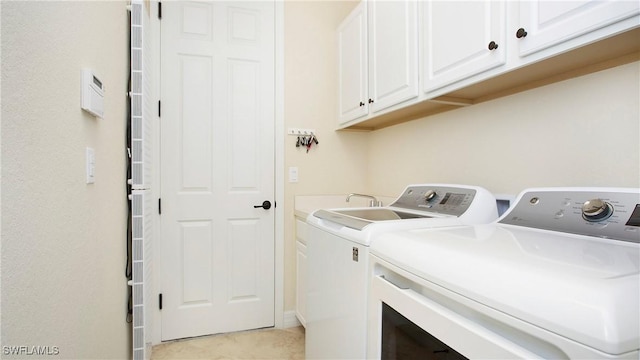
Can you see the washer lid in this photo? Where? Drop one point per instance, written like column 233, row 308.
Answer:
column 583, row 288
column 358, row 218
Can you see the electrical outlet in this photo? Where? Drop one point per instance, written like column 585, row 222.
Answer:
column 91, row 165
column 293, row 174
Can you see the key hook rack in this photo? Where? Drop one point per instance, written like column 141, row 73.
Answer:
column 306, row 137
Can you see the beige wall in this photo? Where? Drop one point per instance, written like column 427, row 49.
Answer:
column 338, row 164
column 579, row 132
column 63, row 241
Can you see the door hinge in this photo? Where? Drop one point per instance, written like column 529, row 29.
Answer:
column 160, row 301
column 159, row 108
column 160, row 206
column 159, row 10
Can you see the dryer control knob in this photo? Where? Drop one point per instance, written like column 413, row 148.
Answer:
column 429, row 195
column 596, row 210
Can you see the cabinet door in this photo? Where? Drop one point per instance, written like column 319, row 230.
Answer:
column 393, row 52
column 301, row 284
column 461, row 39
column 549, row 23
column 352, row 65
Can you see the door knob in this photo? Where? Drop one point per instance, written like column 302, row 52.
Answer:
column 265, row 205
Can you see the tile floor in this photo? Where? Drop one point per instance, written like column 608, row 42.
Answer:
column 254, row 344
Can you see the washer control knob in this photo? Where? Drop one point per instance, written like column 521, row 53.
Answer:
column 596, row 210
column 429, row 195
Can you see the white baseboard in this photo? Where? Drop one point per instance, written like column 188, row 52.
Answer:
column 290, row 319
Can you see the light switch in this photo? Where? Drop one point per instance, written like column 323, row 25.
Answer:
column 293, row 174
column 91, row 165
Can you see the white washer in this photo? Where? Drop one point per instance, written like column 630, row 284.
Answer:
column 558, row 276
column 337, row 258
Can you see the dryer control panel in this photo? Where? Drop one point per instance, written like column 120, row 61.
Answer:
column 612, row 213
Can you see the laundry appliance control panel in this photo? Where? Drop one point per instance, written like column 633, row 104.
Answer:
column 436, row 199
column 602, row 212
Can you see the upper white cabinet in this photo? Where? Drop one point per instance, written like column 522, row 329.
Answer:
column 461, row 39
column 473, row 51
column 378, row 57
column 352, row 65
column 543, row 24
column 393, row 53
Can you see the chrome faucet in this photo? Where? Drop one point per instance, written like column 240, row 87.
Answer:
column 372, row 203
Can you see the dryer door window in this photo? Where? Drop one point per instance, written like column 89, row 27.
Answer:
column 402, row 339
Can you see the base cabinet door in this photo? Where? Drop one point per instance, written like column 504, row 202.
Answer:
column 301, row 272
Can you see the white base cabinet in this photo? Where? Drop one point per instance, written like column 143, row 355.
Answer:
column 301, row 271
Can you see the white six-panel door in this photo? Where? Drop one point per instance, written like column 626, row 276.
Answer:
column 217, row 163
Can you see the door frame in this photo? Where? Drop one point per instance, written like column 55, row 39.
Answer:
column 279, row 313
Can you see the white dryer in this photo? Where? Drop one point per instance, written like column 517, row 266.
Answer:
column 337, row 258
column 558, row 276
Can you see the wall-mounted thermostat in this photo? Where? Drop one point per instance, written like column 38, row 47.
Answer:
column 92, row 93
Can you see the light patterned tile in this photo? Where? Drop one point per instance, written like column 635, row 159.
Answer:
column 255, row 344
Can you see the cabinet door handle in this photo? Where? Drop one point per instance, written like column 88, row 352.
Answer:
column 493, row 45
column 361, row 103
column 370, row 101
column 521, row 33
